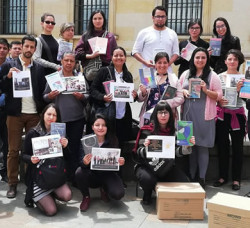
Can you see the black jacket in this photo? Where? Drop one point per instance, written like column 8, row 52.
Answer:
column 26, row 156
column 218, row 62
column 14, row 105
column 184, row 64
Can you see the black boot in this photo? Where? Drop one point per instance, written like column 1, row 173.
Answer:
column 202, row 183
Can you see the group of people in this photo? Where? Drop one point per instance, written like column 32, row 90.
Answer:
column 155, row 47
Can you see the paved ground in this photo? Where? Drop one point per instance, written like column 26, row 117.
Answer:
column 125, row 213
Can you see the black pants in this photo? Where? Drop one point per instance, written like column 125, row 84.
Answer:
column 108, row 180
column 4, row 138
column 223, row 129
column 148, row 180
column 74, row 132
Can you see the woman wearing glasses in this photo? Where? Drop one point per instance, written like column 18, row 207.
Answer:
column 149, row 171
column 202, row 111
column 47, row 46
column 195, row 30
column 222, row 30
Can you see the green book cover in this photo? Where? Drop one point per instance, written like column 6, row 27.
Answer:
column 184, row 133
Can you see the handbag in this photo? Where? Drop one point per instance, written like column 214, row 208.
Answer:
column 91, row 69
column 50, row 173
column 108, row 111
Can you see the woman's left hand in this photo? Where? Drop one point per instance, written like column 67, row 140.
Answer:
column 121, row 161
column 240, row 84
column 78, row 95
column 64, row 142
column 134, row 94
column 192, row 140
column 204, row 86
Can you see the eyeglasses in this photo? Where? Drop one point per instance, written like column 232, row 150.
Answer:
column 160, row 17
column 220, row 26
column 50, row 22
column 195, row 28
column 163, row 113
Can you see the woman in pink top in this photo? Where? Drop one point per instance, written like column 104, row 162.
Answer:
column 201, row 110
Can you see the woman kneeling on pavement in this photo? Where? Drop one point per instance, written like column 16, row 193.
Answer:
column 109, row 182
column 150, row 171
column 43, row 198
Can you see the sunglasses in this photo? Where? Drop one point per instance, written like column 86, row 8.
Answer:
column 50, row 22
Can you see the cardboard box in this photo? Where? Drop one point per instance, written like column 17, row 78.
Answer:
column 180, row 200
column 227, row 210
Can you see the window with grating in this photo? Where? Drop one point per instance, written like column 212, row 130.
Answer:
column 83, row 10
column 180, row 12
column 13, row 17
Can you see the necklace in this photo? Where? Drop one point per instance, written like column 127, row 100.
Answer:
column 159, row 79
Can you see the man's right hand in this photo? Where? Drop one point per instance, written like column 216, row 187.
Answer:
column 9, row 75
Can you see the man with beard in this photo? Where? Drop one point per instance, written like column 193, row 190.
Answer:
column 156, row 38
column 22, row 112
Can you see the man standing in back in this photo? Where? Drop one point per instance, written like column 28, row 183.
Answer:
column 22, row 112
column 15, row 50
column 156, row 38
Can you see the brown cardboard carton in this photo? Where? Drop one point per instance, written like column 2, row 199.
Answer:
column 227, row 210
column 179, row 200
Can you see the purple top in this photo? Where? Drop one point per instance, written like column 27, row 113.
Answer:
column 82, row 49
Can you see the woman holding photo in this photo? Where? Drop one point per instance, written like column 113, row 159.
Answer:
column 71, row 107
column 202, row 111
column 43, row 198
column 151, row 96
column 231, row 121
column 150, row 171
column 109, row 182
column 118, row 72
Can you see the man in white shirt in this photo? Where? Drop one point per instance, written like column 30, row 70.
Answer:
column 156, row 38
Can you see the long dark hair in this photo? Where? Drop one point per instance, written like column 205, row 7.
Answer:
column 91, row 27
column 124, row 67
column 110, row 136
column 228, row 32
column 163, row 105
column 192, row 67
column 58, row 117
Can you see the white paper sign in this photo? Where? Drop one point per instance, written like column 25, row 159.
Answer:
column 22, row 86
column 122, row 91
column 161, row 146
column 105, row 159
column 55, row 82
column 47, row 146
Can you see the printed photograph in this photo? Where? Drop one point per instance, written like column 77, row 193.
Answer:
column 47, row 146
column 22, row 83
column 155, row 145
column 74, row 84
column 105, row 159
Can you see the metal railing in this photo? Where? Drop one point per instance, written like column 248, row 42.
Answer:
column 83, row 10
column 180, row 12
column 13, row 16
